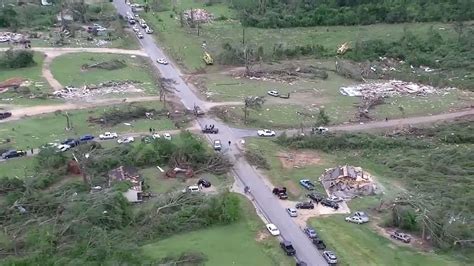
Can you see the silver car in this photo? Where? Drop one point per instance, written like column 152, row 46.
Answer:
column 330, row 257
column 292, row 212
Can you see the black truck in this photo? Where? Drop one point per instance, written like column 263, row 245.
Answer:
column 210, row 129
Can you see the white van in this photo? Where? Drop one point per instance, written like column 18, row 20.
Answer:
column 193, row 189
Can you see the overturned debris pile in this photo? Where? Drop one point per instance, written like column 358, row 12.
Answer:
column 107, row 65
column 109, row 87
column 198, row 15
column 348, row 182
column 388, row 89
column 287, row 74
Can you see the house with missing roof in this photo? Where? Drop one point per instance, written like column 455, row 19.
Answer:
column 124, row 173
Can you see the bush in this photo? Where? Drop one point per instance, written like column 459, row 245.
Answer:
column 17, row 59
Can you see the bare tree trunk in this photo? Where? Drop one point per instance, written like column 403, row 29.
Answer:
column 245, row 114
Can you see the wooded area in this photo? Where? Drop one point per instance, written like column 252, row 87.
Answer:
column 305, row 13
column 425, row 167
column 63, row 224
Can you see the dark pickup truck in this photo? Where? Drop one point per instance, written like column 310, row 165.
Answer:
column 330, row 204
column 280, row 192
column 288, row 248
column 5, row 115
column 319, row 243
column 315, row 197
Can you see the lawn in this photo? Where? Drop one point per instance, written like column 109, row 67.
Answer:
column 233, row 244
column 38, row 130
column 19, row 167
column 184, row 45
column 67, row 69
column 360, row 245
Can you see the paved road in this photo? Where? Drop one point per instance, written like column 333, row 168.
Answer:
column 269, row 205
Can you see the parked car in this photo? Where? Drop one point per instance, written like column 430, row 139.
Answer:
column 301, row 263
column 335, row 199
column 322, row 130
column 310, row 232
column 192, row 189
column 203, row 182
column 63, row 147
column 125, row 140
column 304, row 205
column 292, row 212
column 86, row 138
column 362, row 216
column 156, row 136
column 266, row 133
column 288, row 248
column 210, row 130
column 143, row 23
column 167, row 136
column 401, row 236
column 273, row 229
column 280, row 192
column 71, row 142
column 217, row 145
column 306, row 183
column 319, row 243
column 330, row 257
column 354, row 219
column 315, row 197
column 139, row 35
column 162, row 61
column 273, row 93
column 131, row 20
column 136, row 28
column 330, row 204
column 4, row 115
column 148, row 30
column 108, row 135
column 13, row 154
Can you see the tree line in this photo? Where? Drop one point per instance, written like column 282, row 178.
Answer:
column 305, row 13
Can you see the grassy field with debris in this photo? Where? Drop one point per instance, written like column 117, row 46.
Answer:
column 250, row 245
column 32, row 132
column 68, row 70
column 361, row 245
column 184, row 45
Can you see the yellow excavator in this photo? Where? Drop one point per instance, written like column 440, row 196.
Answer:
column 208, row 59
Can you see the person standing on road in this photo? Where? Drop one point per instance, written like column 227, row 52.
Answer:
column 230, row 143
column 31, row 150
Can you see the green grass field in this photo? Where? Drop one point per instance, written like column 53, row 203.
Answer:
column 67, row 70
column 19, row 167
column 38, row 130
column 234, row 244
column 360, row 245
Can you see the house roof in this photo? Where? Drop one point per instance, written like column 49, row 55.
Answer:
column 126, row 173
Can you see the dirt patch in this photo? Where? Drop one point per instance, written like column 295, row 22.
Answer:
column 261, row 236
column 416, row 242
column 298, row 159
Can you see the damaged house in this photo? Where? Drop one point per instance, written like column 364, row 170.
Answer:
column 130, row 174
column 348, row 182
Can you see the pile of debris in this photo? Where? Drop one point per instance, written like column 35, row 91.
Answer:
column 198, row 15
column 12, row 83
column 387, row 89
column 12, row 37
column 286, row 74
column 348, row 182
column 115, row 87
column 107, row 65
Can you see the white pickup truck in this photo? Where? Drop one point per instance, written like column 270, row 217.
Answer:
column 108, row 135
